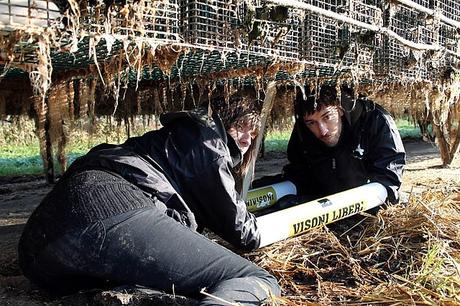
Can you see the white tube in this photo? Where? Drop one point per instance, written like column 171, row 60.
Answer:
column 296, row 220
column 263, row 197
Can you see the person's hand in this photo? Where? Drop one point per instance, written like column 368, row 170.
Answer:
column 287, row 201
column 283, row 203
column 291, row 200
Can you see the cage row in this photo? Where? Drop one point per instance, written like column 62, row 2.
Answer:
column 260, row 28
column 328, row 42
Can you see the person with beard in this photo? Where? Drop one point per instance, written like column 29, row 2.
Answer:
column 339, row 143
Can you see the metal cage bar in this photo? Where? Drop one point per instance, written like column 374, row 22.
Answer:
column 41, row 13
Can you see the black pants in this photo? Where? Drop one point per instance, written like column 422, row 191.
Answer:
column 146, row 247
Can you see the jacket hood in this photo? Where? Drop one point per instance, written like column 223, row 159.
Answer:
column 354, row 108
column 201, row 116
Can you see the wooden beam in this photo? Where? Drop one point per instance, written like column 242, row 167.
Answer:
column 266, row 109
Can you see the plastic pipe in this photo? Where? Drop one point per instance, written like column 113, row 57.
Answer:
column 263, row 197
column 296, row 220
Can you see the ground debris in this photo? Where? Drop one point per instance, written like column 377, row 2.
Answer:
column 137, row 296
column 408, row 254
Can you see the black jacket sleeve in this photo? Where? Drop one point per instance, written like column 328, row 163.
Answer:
column 387, row 156
column 221, row 209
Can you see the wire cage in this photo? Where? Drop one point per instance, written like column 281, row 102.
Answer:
column 158, row 20
column 426, row 3
column 268, row 30
column 209, row 23
column 145, row 18
column 244, row 33
column 398, row 61
column 361, row 10
column 358, row 47
column 448, row 39
column 242, row 26
column 20, row 13
column 449, row 8
column 319, row 35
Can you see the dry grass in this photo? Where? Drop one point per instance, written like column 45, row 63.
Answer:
column 405, row 255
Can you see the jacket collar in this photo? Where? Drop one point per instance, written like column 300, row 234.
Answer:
column 352, row 110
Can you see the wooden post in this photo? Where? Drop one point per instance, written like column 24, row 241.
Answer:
column 43, row 124
column 48, row 151
column 448, row 140
column 266, row 109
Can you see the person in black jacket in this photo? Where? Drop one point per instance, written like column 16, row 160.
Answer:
column 339, row 143
column 131, row 214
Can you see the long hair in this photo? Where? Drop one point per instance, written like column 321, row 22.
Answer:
column 240, row 111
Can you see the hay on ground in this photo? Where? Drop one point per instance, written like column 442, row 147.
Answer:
column 406, row 255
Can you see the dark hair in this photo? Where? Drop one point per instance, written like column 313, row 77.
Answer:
column 240, row 111
column 311, row 99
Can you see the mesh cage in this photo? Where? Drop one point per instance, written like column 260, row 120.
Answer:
column 41, row 13
column 209, row 23
column 426, row 3
column 149, row 19
column 448, row 38
column 244, row 26
column 268, row 30
column 398, row 61
column 358, row 47
column 449, row 8
column 361, row 10
column 153, row 19
column 246, row 33
column 145, row 18
column 319, row 35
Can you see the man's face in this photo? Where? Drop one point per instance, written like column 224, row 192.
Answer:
column 325, row 124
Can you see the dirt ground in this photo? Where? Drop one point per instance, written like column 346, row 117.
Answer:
column 20, row 195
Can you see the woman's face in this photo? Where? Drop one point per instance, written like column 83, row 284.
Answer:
column 243, row 134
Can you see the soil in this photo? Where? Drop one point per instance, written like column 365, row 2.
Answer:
column 20, row 195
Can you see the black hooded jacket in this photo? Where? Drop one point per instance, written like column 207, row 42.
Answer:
column 187, row 166
column 369, row 150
